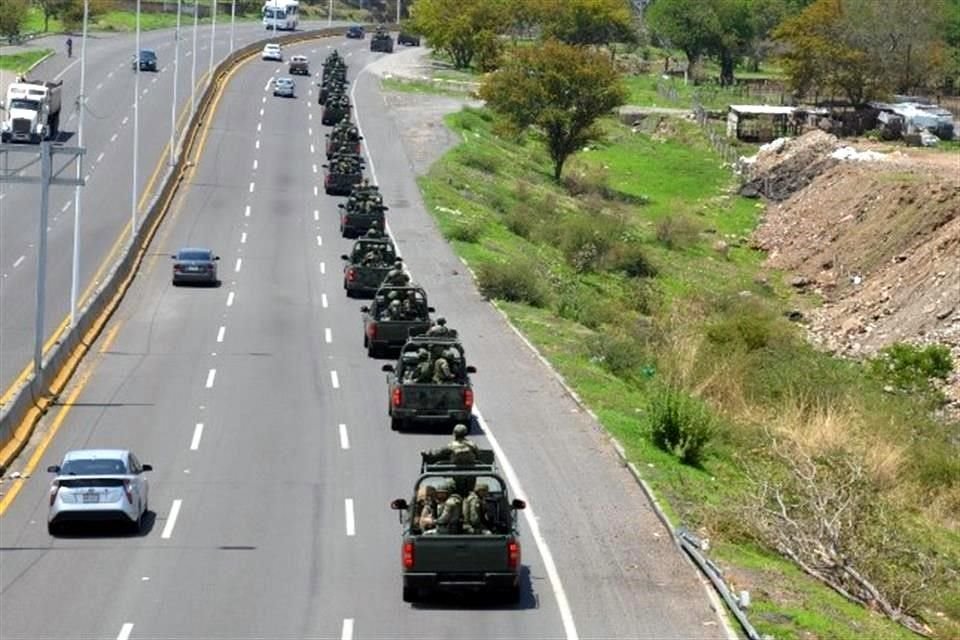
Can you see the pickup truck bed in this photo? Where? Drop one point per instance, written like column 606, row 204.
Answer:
column 428, row 403
column 383, row 335
column 461, row 562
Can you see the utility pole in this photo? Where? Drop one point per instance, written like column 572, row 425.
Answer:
column 398, row 11
column 136, row 135
column 330, row 13
column 193, row 68
column 81, row 107
column 176, row 75
column 46, row 178
column 233, row 19
column 213, row 44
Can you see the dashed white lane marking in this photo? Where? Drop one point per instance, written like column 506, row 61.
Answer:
column 197, row 434
column 316, row 215
column 243, row 238
column 110, row 75
column 125, row 631
column 237, row 266
column 163, row 70
column 146, row 90
column 100, row 157
column 66, row 205
column 261, row 112
column 350, row 53
column 314, row 168
column 347, row 632
column 312, row 149
column 328, row 335
column 334, row 379
column 125, row 120
column 259, row 127
column 222, row 330
column 323, row 267
column 348, row 508
column 113, row 138
column 255, row 164
column 266, row 87
column 18, row 261
column 72, row 117
column 171, row 522
column 256, row 145
column 264, row 100
column 86, row 178
column 310, row 117
column 211, row 376
column 230, row 299
column 246, row 211
column 99, row 86
column 319, row 241
column 316, row 190
column 154, row 81
column 323, row 300
column 344, row 438
column 309, row 131
column 251, row 187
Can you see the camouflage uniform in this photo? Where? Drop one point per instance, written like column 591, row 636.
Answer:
column 441, row 371
column 439, row 329
column 460, row 450
column 425, row 511
column 450, row 508
column 423, row 372
column 474, row 510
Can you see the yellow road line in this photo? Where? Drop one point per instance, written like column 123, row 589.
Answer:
column 74, row 359
column 111, row 336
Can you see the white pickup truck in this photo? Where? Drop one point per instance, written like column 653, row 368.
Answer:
column 31, row 112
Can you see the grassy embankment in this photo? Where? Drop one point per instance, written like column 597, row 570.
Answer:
column 125, row 21
column 19, row 62
column 636, row 282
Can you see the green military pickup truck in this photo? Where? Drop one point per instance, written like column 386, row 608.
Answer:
column 342, row 174
column 479, row 553
column 424, row 390
column 396, row 314
column 367, row 264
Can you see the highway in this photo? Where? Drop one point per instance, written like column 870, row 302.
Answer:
column 106, row 198
column 266, row 425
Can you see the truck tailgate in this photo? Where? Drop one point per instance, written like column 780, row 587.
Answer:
column 433, row 397
column 460, row 554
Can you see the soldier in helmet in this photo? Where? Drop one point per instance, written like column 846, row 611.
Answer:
column 442, row 369
column 474, row 510
column 425, row 510
column 394, row 310
column 449, row 508
column 439, row 328
column 396, row 276
column 423, row 372
column 460, row 450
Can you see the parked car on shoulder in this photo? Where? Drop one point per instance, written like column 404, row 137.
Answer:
column 98, row 485
column 272, row 51
column 195, row 265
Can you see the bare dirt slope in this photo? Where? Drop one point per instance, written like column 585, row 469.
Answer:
column 877, row 235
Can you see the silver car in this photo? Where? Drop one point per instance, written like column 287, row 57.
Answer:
column 98, row 485
column 195, row 265
column 272, row 51
column 284, row 87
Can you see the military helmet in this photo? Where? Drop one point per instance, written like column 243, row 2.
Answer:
column 395, row 304
column 447, row 486
column 460, row 431
column 422, row 354
column 398, row 263
column 371, row 233
column 481, row 486
column 441, row 321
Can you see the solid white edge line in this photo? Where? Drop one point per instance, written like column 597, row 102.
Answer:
column 197, row 434
column 323, row 300
column 347, row 632
column 344, row 438
column 230, row 299
column 334, row 379
column 238, row 265
column 566, row 614
column 125, row 631
column 171, row 519
column 348, row 508
column 220, row 333
column 327, row 335
column 211, row 376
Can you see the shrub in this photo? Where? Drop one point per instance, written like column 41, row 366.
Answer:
column 585, row 179
column 517, row 280
column 750, row 325
column 583, row 304
column 465, row 230
column 476, row 159
column 620, row 354
column 678, row 232
column 681, row 425
column 910, row 367
column 584, row 238
column 631, row 259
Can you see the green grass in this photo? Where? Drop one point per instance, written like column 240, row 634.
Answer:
column 19, row 62
column 34, row 22
column 123, row 21
column 643, row 91
column 670, row 168
column 422, row 86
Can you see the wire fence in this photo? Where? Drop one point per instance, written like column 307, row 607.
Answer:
column 717, row 136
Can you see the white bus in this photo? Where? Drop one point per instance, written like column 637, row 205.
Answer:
column 281, row 14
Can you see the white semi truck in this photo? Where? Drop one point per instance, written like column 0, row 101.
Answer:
column 31, row 111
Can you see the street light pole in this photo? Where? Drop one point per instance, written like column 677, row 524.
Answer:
column 398, row 11
column 136, row 134
column 193, row 67
column 330, row 13
column 176, row 75
column 75, row 263
column 213, row 35
column 233, row 19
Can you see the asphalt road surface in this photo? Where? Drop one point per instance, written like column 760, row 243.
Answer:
column 266, row 424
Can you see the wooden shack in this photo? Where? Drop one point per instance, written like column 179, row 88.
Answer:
column 761, row 122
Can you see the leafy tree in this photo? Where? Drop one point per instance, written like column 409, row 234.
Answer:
column 734, row 35
column 72, row 15
column 560, row 90
column 52, row 9
column 588, row 22
column 689, row 25
column 13, row 13
column 462, row 28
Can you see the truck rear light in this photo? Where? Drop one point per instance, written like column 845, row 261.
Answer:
column 128, row 490
column 372, row 330
column 408, row 555
column 351, row 274
column 468, row 399
column 54, row 489
column 397, row 397
column 513, row 554
column 343, row 220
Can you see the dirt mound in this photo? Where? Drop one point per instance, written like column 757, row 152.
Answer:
column 787, row 165
column 880, row 241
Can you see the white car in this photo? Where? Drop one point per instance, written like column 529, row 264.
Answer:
column 272, row 51
column 98, row 485
column 284, row 87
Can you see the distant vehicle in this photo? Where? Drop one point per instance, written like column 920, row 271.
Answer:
column 272, row 51
column 356, row 32
column 147, row 59
column 367, row 264
column 408, row 38
column 284, row 87
column 98, row 485
column 381, row 41
column 299, row 65
column 281, row 14
column 461, row 556
column 195, row 265
column 32, row 111
column 381, row 332
column 431, row 402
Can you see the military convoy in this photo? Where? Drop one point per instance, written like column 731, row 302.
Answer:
column 460, row 525
column 460, row 528
column 430, row 384
column 381, row 41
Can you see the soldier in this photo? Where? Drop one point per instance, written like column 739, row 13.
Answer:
column 395, row 311
column 460, row 450
column 439, row 328
column 411, row 308
column 396, row 276
column 450, row 508
column 475, row 512
column 425, row 510
column 423, row 372
column 442, row 373
column 370, row 258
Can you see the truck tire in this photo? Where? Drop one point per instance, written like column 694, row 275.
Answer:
column 372, row 350
column 54, row 126
column 512, row 595
column 411, row 594
column 396, row 424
